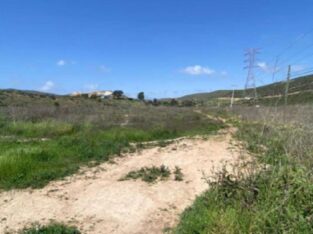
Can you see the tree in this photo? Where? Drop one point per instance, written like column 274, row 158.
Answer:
column 141, row 96
column 117, row 94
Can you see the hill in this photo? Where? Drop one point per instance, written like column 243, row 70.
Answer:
column 14, row 97
column 300, row 91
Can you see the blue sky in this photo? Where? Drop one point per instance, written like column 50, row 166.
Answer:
column 166, row 48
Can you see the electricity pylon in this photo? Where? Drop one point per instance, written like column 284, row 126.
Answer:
column 251, row 65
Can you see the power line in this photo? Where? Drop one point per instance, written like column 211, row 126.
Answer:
column 299, row 72
column 278, row 62
column 293, row 43
column 293, row 57
column 302, row 74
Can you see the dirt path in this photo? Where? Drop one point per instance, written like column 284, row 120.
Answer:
column 96, row 202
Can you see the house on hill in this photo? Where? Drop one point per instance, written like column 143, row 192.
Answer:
column 96, row 94
column 101, row 94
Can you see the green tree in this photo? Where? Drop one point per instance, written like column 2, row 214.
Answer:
column 117, row 94
column 141, row 96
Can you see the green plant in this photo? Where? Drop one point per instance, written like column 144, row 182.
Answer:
column 149, row 174
column 273, row 194
column 53, row 228
column 179, row 176
column 38, row 145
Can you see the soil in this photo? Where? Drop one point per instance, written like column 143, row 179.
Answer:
column 96, row 201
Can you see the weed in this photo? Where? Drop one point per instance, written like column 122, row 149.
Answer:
column 179, row 176
column 53, row 228
column 149, row 174
column 274, row 198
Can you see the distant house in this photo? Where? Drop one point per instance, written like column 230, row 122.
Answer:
column 96, row 94
column 101, row 94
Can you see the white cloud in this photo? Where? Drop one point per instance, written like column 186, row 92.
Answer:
column 267, row 68
column 47, row 86
column 197, row 70
column 262, row 65
column 104, row 69
column 61, row 62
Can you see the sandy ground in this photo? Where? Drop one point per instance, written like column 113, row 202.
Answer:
column 97, row 202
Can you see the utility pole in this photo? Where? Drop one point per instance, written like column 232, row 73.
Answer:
column 287, row 85
column 232, row 98
column 275, row 69
column 251, row 60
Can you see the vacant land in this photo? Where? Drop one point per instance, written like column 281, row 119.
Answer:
column 128, row 167
column 36, row 148
column 96, row 199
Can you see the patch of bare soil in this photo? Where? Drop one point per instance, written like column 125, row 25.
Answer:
column 97, row 202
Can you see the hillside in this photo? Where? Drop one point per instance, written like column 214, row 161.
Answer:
column 300, row 90
column 25, row 98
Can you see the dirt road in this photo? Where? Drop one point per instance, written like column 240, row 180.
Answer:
column 97, row 202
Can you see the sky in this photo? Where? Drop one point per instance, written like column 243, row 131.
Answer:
column 166, row 48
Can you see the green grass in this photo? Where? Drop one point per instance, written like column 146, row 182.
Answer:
column 275, row 199
column 53, row 228
column 39, row 129
column 28, row 161
column 149, row 174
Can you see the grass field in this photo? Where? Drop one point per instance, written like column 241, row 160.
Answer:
column 271, row 194
column 35, row 152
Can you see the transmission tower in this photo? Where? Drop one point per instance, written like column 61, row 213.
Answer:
column 250, row 55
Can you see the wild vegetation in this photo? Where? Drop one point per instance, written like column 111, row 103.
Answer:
column 40, row 144
column 179, row 176
column 154, row 174
column 149, row 174
column 273, row 193
column 53, row 228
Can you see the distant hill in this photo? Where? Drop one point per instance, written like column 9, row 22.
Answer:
column 26, row 98
column 300, row 91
